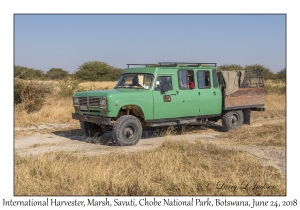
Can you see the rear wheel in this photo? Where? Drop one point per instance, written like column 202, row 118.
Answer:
column 91, row 129
column 232, row 120
column 127, row 130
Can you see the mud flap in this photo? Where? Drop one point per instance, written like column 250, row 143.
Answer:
column 247, row 113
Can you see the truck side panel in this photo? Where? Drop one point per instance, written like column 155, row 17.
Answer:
column 244, row 97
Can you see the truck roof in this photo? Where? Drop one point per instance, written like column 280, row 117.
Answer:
column 175, row 64
column 166, row 67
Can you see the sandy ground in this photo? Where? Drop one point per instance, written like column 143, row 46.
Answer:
column 72, row 140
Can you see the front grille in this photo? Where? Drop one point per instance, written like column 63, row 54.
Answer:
column 83, row 101
column 89, row 101
column 93, row 101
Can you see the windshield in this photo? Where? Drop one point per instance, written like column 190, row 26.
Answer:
column 135, row 80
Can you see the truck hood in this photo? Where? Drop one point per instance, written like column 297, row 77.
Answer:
column 104, row 93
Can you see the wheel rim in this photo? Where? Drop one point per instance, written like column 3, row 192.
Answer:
column 129, row 132
column 234, row 119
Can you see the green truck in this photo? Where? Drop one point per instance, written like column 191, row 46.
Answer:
column 169, row 94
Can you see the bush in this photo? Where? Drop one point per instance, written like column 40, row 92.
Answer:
column 266, row 72
column 97, row 71
column 31, row 95
column 281, row 74
column 68, row 87
column 57, row 73
column 23, row 72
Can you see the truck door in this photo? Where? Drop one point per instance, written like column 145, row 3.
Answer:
column 209, row 93
column 165, row 97
column 188, row 100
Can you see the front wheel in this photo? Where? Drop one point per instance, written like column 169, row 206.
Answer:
column 232, row 120
column 127, row 131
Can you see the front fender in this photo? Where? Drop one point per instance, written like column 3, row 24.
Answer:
column 142, row 106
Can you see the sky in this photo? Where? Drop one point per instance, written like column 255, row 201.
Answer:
column 45, row 41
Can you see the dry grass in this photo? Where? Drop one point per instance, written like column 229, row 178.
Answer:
column 30, row 95
column 275, row 105
column 271, row 135
column 176, row 168
column 54, row 111
column 98, row 85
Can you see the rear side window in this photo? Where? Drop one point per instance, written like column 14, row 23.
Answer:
column 186, row 79
column 203, row 79
column 183, row 79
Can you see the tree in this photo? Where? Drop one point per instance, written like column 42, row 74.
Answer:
column 57, row 73
column 266, row 72
column 282, row 74
column 97, row 71
column 23, row 72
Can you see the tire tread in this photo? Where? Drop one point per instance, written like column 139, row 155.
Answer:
column 226, row 125
column 117, row 130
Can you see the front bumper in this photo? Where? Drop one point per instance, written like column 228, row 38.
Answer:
column 92, row 119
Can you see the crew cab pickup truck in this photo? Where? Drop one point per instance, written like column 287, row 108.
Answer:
column 169, row 94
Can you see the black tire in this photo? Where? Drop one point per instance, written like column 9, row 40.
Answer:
column 127, row 131
column 91, row 129
column 232, row 120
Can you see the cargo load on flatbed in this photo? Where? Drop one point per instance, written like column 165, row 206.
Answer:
column 242, row 89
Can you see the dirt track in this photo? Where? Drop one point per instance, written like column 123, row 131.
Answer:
column 72, row 140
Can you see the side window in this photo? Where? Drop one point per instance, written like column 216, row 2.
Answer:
column 203, row 79
column 163, row 81
column 186, row 79
column 215, row 78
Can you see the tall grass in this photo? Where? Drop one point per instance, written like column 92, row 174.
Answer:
column 176, row 168
column 275, row 86
column 54, row 111
column 30, row 95
column 259, row 134
column 98, row 85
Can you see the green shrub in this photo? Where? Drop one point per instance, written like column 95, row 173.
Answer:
column 30, row 94
column 281, row 74
column 67, row 87
column 23, row 72
column 97, row 71
column 266, row 72
column 57, row 73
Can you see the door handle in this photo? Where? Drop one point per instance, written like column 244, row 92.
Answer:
column 214, row 93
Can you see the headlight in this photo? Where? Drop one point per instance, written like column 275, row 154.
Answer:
column 76, row 101
column 102, row 103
